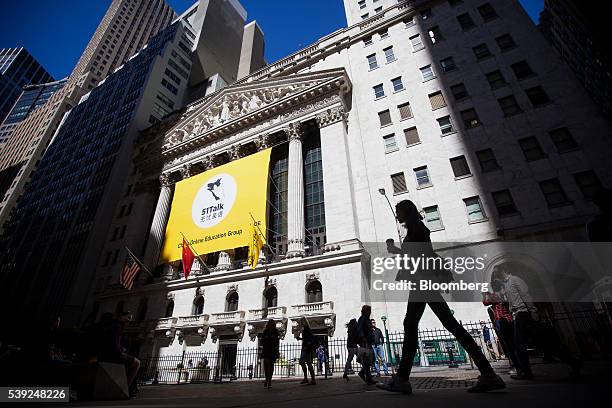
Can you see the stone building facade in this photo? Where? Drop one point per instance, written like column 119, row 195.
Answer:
column 460, row 106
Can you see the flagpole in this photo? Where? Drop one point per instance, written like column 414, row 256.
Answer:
column 138, row 260
column 196, row 252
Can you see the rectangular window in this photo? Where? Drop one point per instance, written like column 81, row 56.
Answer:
column 405, row 111
column 504, row 203
column 446, row 126
column 588, row 182
column 436, row 100
column 390, row 143
column 537, row 96
column 433, row 218
column 460, row 166
column 531, row 148
column 470, row 118
column 372, row 63
column 169, row 86
column 383, row 33
column 427, row 73
column 474, row 209
column 379, row 91
column 521, row 70
column 365, row 16
column 509, row 106
column 389, row 56
column 553, row 192
column 496, row 79
column 384, row 117
column 448, row 64
column 378, row 9
column 412, row 136
column 416, row 42
column 173, row 76
column 362, row 4
column 563, row 140
column 487, row 160
column 465, row 21
column 459, row 91
column 397, row 84
column 487, row 12
column 481, row 51
column 409, row 22
column 422, row 176
column 505, row 42
column 399, row 183
column 435, row 34
column 367, row 41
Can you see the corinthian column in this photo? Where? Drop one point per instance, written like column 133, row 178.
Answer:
column 295, row 192
column 160, row 219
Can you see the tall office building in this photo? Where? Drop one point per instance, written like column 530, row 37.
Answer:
column 17, row 69
column 461, row 106
column 579, row 31
column 125, row 28
column 57, row 241
column 32, row 97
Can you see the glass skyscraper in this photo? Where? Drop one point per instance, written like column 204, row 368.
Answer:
column 17, row 69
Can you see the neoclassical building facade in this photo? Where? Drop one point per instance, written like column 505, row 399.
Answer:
column 461, row 107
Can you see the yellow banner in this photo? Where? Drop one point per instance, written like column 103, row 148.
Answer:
column 213, row 209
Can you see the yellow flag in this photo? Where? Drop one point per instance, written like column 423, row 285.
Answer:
column 255, row 245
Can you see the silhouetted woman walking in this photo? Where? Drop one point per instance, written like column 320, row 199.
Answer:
column 270, row 350
column 417, row 243
column 309, row 345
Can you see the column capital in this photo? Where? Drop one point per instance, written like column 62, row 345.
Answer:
column 262, row 142
column 295, row 131
column 207, row 163
column 331, row 116
column 165, row 180
column 187, row 171
column 234, row 152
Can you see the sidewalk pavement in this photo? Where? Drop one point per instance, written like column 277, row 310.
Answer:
column 432, row 387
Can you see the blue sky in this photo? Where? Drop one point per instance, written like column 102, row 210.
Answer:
column 57, row 31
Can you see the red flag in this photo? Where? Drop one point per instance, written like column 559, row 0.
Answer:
column 188, row 258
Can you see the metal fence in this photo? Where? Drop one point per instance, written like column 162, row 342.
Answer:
column 586, row 332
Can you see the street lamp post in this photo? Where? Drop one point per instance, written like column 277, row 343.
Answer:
column 389, row 358
column 384, row 194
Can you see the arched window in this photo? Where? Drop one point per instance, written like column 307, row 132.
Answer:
column 231, row 302
column 170, row 308
column 314, row 292
column 142, row 309
column 198, row 306
column 270, row 297
column 120, row 307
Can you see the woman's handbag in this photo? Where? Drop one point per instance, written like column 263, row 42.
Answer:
column 365, row 355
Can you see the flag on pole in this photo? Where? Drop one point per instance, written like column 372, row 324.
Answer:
column 188, row 258
column 130, row 270
column 255, row 245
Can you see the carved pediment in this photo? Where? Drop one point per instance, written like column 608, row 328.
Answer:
column 238, row 101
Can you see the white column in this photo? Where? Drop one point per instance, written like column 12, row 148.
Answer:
column 160, row 219
column 295, row 192
column 340, row 220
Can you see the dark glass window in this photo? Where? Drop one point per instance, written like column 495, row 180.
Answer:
column 487, row 160
column 537, row 96
column 278, row 198
column 505, row 42
column 496, row 79
column 563, row 140
column 313, row 197
column 522, row 70
column 459, row 91
column 198, row 305
column 504, row 203
column 588, row 182
column 231, row 302
column 531, row 148
column 465, row 21
column 481, row 51
column 460, row 166
column 553, row 192
column 487, row 12
column 314, row 292
column 509, row 105
column 271, row 297
column 169, row 309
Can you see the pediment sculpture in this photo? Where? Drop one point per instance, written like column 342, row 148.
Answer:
column 230, row 107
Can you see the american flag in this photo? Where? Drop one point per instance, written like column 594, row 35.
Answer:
column 130, row 270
